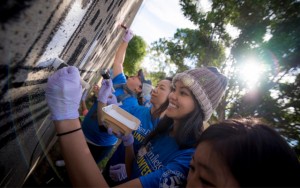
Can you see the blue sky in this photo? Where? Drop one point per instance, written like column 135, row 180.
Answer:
column 156, row 19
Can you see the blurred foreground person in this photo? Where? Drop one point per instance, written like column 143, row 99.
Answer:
column 243, row 153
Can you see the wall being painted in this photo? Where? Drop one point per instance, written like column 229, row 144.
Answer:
column 83, row 33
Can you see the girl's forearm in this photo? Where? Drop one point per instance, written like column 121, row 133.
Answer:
column 82, row 168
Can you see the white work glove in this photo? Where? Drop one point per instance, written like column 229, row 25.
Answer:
column 126, row 139
column 63, row 93
column 112, row 99
column 128, row 35
column 105, row 91
column 118, row 172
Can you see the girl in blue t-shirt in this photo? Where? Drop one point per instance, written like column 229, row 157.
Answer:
column 149, row 118
column 99, row 141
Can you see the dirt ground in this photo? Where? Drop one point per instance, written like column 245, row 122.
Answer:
column 47, row 174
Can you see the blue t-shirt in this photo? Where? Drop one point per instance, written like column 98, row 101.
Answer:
column 92, row 133
column 146, row 126
column 121, row 79
column 159, row 166
column 147, row 123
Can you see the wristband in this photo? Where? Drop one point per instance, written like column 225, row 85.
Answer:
column 69, row 132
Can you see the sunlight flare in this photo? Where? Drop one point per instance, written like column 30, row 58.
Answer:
column 251, row 72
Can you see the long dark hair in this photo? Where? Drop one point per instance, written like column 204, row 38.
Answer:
column 188, row 132
column 164, row 106
column 255, row 153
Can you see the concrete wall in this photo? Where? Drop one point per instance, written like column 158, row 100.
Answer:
column 83, row 33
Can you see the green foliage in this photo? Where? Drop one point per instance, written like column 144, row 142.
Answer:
column 155, row 77
column 135, row 53
column 211, row 23
column 274, row 100
column 189, row 48
column 280, row 54
column 254, row 19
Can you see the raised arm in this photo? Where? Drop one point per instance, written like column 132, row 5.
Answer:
column 121, row 52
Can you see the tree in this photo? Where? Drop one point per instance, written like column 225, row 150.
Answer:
column 189, row 48
column 256, row 20
column 269, row 31
column 135, row 54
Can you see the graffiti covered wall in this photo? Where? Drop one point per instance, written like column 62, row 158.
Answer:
column 83, row 33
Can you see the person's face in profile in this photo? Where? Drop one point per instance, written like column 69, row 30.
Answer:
column 208, row 170
column 134, row 84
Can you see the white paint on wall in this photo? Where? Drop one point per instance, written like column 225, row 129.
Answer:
column 63, row 34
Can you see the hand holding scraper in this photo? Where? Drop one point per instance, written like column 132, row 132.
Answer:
column 57, row 64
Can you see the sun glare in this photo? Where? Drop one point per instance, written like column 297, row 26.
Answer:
column 250, row 72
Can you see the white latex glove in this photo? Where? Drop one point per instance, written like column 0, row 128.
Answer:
column 105, row 91
column 118, row 172
column 128, row 35
column 63, row 93
column 127, row 139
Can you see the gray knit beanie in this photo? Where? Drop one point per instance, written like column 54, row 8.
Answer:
column 208, row 86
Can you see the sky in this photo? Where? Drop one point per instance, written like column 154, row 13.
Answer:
column 158, row 19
